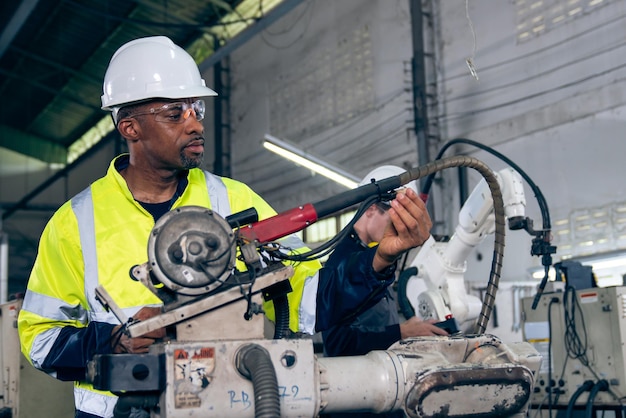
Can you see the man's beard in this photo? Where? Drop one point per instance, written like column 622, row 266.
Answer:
column 193, row 162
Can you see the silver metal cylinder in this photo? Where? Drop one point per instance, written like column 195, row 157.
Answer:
column 371, row 383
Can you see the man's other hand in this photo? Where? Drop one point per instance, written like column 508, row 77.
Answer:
column 122, row 343
column 415, row 327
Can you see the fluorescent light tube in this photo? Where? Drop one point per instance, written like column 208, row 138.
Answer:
column 313, row 163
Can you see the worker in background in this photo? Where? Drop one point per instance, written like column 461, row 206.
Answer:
column 375, row 324
column 155, row 93
column 358, row 273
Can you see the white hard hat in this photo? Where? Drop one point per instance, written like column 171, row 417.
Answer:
column 385, row 171
column 150, row 68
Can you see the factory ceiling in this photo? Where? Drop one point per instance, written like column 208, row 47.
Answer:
column 53, row 56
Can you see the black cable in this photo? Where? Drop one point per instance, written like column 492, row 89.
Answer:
column 541, row 201
column 586, row 386
column 282, row 314
column 330, row 245
column 405, row 259
column 248, row 295
column 403, row 301
column 550, row 385
column 601, row 385
column 541, row 243
column 560, row 381
column 575, row 344
column 116, row 336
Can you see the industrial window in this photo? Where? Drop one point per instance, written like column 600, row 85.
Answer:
column 536, row 17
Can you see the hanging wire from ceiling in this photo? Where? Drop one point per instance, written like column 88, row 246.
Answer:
column 308, row 10
column 470, row 60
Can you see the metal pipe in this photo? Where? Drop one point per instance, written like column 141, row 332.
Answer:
column 376, row 380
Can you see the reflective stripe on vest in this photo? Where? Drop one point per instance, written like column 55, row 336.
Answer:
column 82, row 205
column 94, row 403
column 218, row 194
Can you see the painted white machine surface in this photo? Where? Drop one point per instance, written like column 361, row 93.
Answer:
column 25, row 391
column 438, row 291
column 586, row 346
column 425, row 377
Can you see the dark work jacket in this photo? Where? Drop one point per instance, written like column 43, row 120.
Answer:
column 375, row 329
column 371, row 325
column 375, row 326
column 348, row 285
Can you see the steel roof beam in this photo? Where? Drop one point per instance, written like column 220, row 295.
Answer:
column 24, row 10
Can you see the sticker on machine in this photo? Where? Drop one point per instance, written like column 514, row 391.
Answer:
column 588, row 297
column 192, row 374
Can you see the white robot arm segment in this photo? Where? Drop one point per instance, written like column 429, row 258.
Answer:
column 438, row 290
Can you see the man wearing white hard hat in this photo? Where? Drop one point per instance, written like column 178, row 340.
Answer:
column 155, row 94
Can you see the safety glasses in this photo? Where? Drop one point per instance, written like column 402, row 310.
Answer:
column 175, row 112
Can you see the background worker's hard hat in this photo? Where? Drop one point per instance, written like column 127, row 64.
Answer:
column 150, row 68
column 386, row 171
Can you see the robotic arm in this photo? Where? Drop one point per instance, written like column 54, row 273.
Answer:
column 438, row 290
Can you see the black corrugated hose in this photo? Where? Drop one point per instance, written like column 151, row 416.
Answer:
column 500, row 223
column 281, row 309
column 254, row 362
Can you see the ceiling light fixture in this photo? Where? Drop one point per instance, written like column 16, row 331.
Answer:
column 313, row 163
